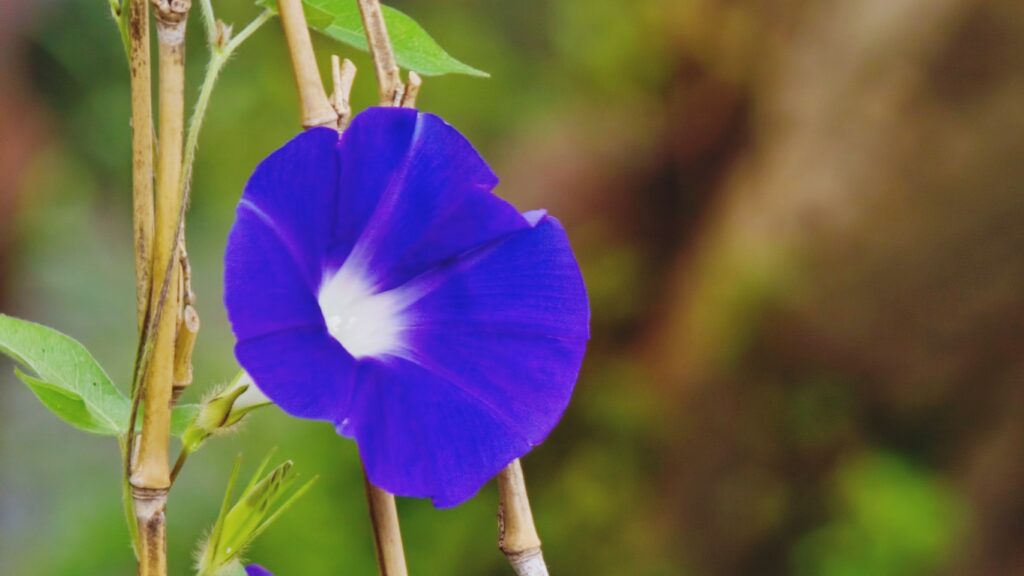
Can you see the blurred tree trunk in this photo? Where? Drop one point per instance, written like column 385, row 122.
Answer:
column 863, row 258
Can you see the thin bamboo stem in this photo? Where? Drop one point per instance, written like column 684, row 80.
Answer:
column 517, row 534
column 386, row 531
column 150, row 478
column 316, row 108
column 389, row 81
column 142, row 152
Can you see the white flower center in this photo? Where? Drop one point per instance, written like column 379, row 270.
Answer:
column 367, row 323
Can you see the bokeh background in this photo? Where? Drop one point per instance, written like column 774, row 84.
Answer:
column 802, row 228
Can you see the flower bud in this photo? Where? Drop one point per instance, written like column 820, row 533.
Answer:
column 223, row 410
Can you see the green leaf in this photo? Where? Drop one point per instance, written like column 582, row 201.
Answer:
column 71, row 383
column 182, row 417
column 67, row 379
column 68, row 405
column 414, row 48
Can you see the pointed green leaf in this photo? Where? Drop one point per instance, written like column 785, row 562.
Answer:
column 67, row 379
column 414, row 48
column 68, row 405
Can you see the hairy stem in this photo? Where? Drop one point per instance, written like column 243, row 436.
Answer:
column 150, row 478
column 517, row 534
column 142, row 151
column 219, row 56
column 316, row 108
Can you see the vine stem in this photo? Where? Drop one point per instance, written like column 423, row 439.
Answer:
column 219, row 56
column 517, row 534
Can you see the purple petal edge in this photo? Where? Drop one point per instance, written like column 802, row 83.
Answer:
column 257, row 570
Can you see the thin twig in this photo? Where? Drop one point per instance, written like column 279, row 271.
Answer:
column 142, row 151
column 316, row 109
column 184, row 343
column 386, row 531
column 389, row 81
column 344, row 76
column 179, row 464
column 412, row 91
column 517, row 534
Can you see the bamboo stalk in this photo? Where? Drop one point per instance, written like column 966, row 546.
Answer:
column 517, row 534
column 316, row 108
column 150, row 478
column 389, row 81
column 142, row 152
column 386, row 531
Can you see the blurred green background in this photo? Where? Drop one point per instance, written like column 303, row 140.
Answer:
column 801, row 225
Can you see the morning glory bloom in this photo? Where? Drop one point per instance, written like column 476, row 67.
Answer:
column 373, row 280
column 257, row 570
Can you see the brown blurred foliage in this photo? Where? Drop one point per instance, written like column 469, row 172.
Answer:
column 834, row 192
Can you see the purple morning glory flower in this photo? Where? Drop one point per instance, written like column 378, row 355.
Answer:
column 373, row 280
column 257, row 570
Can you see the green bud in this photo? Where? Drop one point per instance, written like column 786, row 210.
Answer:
column 260, row 504
column 223, row 410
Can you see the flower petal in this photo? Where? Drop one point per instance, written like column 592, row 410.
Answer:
column 496, row 342
column 414, row 192
column 264, row 287
column 304, row 371
column 527, row 283
column 422, row 436
column 257, row 570
column 296, row 188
